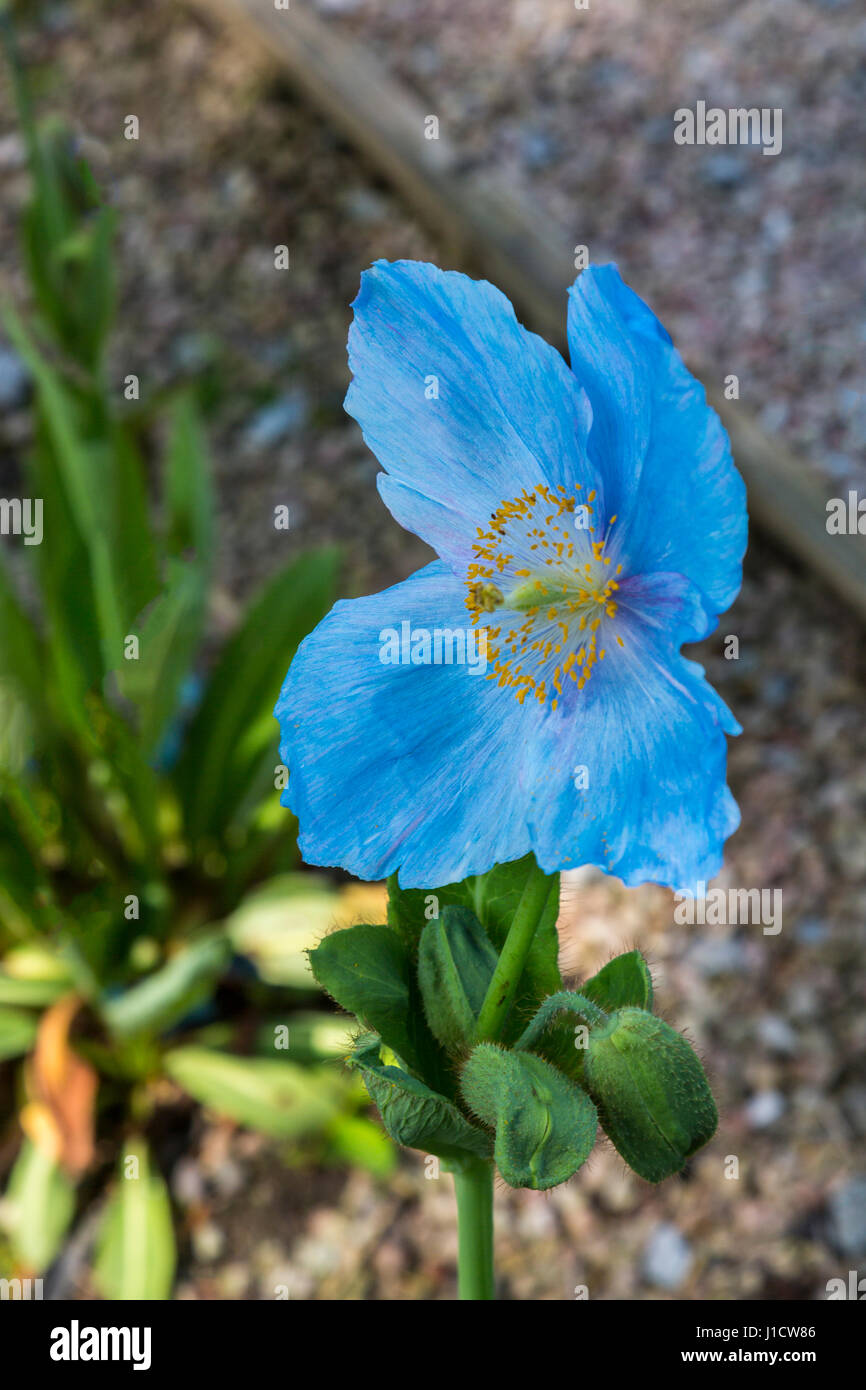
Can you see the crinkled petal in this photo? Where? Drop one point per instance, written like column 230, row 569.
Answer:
column 665, row 458
column 462, row 406
column 416, row 767
column 649, row 731
column 439, row 773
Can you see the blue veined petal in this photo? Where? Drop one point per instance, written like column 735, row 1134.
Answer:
column 649, row 732
column 509, row 413
column 418, row 767
column 663, row 453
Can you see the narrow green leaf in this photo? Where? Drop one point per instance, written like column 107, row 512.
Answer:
column 85, row 469
column 233, row 732
column 189, row 501
column 40, row 1202
column 168, row 642
column 29, row 993
column 545, row 1126
column 268, row 1094
column 162, row 999
column 21, row 659
column 136, row 1250
column 17, row 1031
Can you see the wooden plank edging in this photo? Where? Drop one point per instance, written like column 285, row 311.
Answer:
column 488, row 229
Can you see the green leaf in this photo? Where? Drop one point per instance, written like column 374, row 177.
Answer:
column 188, row 490
column 66, row 592
column 66, row 239
column 85, row 468
column 168, row 642
column 40, row 1201
column 494, row 898
column 413, row 1114
column 159, row 1001
column 624, row 981
column 17, row 1032
column 652, row 1094
column 368, row 971
column 277, row 924
column 357, row 1141
column 30, row 993
column 134, row 556
column 267, row 1094
column 312, row 1037
column 136, row 1250
column 234, row 734
column 21, row 659
column 545, row 1126
column 456, row 961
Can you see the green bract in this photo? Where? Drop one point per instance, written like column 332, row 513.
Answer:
column 413, row 1114
column 545, row 1127
column 456, row 961
column 369, row 971
column 563, row 1060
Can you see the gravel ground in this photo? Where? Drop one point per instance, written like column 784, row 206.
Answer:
column 751, row 262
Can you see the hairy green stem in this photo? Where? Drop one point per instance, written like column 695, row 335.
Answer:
column 474, row 1178
column 506, row 976
column 473, row 1183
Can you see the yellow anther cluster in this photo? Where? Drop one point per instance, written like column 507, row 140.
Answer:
column 527, row 562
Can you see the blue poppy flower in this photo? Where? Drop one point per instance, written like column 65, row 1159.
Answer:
column 526, row 690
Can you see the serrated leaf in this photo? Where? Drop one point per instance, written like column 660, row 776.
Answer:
column 545, row 1125
column 136, row 1249
column 413, row 1114
column 654, row 1102
column 456, row 961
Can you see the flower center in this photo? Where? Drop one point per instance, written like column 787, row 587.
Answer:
column 540, row 568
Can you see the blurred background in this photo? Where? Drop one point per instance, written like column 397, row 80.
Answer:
column 169, row 394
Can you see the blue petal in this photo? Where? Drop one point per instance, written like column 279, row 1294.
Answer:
column 509, row 413
column 665, row 458
column 440, row 774
column 650, row 732
column 416, row 767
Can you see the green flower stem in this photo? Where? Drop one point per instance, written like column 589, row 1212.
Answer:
column 473, row 1182
column 506, row 976
column 473, row 1179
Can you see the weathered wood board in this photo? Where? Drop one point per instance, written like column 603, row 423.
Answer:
column 486, row 228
